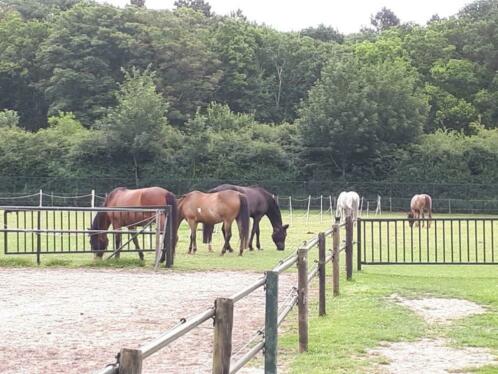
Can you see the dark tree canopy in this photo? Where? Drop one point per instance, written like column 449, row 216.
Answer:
column 244, row 100
column 384, row 19
column 323, row 33
column 139, row 3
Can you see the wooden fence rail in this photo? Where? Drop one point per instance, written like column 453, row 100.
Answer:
column 130, row 360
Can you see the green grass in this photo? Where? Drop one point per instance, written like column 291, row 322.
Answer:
column 202, row 260
column 360, row 318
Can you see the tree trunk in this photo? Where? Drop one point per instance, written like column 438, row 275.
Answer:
column 135, row 165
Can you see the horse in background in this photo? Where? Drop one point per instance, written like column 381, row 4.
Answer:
column 213, row 208
column 347, row 206
column 418, row 206
column 261, row 203
column 122, row 197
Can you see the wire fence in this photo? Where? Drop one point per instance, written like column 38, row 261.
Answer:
column 324, row 205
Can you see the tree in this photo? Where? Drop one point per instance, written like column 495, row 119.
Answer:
column 8, row 119
column 357, row 113
column 82, row 57
column 384, row 19
column 134, row 130
column 19, row 72
column 138, row 3
column 323, row 33
column 198, row 5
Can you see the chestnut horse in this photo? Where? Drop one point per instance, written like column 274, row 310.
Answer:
column 213, row 208
column 122, row 197
column 418, row 206
column 261, row 203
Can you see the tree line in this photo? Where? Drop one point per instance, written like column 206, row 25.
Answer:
column 90, row 89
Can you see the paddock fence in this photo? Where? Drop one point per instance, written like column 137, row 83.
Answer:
column 437, row 241
column 130, row 360
column 28, row 230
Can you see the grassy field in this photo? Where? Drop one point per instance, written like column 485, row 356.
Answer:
column 362, row 316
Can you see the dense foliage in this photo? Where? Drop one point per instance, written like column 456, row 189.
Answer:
column 92, row 90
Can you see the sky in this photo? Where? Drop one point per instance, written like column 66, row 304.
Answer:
column 346, row 15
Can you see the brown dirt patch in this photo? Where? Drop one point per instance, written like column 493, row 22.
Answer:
column 431, row 356
column 439, row 310
column 76, row 320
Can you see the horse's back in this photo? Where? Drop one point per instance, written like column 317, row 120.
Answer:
column 150, row 196
column 257, row 197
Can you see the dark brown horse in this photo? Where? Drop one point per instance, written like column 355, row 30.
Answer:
column 123, row 197
column 261, row 203
column 207, row 208
column 418, row 206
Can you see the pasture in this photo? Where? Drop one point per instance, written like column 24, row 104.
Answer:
column 360, row 319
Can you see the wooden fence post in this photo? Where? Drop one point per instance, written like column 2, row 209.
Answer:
column 358, row 244
column 169, row 240
column 223, row 323
column 321, row 274
column 336, row 242
column 130, row 361
column 271, row 322
column 349, row 248
column 302, row 289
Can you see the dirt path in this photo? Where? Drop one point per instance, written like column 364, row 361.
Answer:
column 433, row 356
column 75, row 320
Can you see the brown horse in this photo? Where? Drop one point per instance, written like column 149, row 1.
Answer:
column 418, row 206
column 123, row 197
column 213, row 208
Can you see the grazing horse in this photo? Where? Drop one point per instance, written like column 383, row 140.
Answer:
column 207, row 208
column 123, row 197
column 261, row 203
column 347, row 206
column 418, row 206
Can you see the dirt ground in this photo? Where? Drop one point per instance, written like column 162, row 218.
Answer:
column 76, row 320
column 433, row 355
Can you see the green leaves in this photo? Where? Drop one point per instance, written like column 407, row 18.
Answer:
column 359, row 111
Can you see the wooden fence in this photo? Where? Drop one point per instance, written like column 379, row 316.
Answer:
column 130, row 360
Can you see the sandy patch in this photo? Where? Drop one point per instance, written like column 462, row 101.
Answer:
column 439, row 310
column 76, row 320
column 431, row 356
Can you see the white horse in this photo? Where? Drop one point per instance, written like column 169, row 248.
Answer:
column 347, row 206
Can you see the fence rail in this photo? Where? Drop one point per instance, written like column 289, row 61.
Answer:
column 222, row 312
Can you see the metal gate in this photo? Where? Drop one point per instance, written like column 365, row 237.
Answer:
column 440, row 241
column 27, row 230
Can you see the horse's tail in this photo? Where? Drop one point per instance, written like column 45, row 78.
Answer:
column 428, row 203
column 243, row 220
column 207, row 233
column 171, row 201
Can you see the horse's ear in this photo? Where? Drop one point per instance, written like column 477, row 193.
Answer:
column 285, row 227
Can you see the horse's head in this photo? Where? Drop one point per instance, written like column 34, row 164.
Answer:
column 411, row 219
column 99, row 241
column 279, row 235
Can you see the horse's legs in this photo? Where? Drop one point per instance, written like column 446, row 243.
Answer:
column 227, row 232
column 429, row 213
column 118, row 244
column 229, row 248
column 137, row 246
column 193, row 229
column 255, row 232
column 256, row 225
